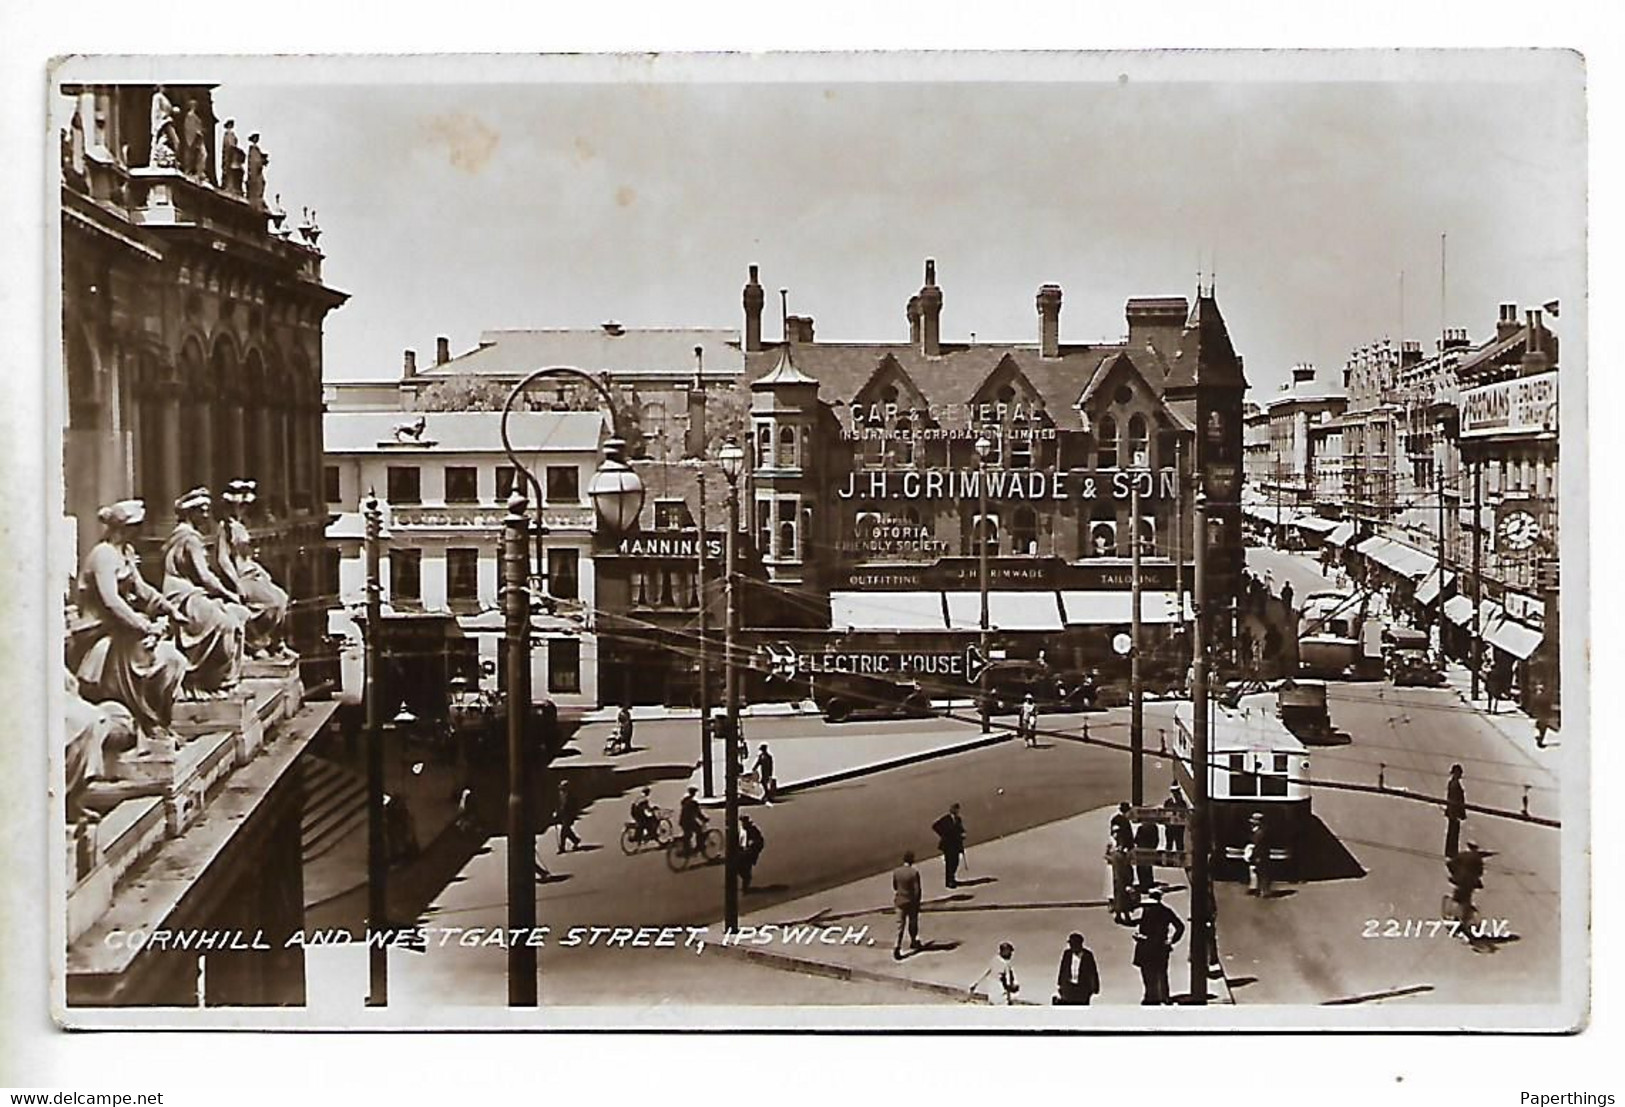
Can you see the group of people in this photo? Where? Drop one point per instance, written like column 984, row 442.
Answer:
column 1131, row 882
column 147, row 647
column 1157, row 929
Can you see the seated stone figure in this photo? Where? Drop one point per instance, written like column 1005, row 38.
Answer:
column 212, row 615
column 95, row 732
column 234, row 562
column 120, row 648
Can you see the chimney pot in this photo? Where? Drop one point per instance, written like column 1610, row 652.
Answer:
column 1049, row 320
column 931, row 312
column 754, row 298
column 442, row 350
column 930, row 271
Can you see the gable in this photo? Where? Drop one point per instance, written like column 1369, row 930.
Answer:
column 888, row 391
column 1120, row 389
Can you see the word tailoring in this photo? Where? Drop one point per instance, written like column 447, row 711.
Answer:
column 1006, row 484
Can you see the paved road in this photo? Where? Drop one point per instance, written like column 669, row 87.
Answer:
column 1326, row 939
column 826, row 837
column 1303, row 571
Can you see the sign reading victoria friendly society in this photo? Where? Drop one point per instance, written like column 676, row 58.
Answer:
column 1527, row 405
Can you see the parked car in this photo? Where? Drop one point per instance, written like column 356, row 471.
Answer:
column 840, row 696
column 1415, row 668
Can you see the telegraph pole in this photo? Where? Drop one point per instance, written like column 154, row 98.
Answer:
column 377, row 843
column 521, row 840
column 1201, row 893
column 705, row 672
column 1136, row 679
column 1478, row 567
column 733, row 458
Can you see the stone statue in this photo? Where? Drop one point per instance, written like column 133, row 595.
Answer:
column 120, row 647
column 194, row 151
column 235, row 564
column 231, row 160
column 95, row 732
column 257, row 160
column 165, row 142
column 212, row 614
column 76, row 143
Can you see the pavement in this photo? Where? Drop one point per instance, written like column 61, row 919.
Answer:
column 1031, row 889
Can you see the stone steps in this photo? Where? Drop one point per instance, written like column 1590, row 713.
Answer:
column 335, row 805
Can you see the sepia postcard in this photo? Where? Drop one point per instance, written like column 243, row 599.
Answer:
column 826, row 541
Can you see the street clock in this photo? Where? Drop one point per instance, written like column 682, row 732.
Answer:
column 1518, row 530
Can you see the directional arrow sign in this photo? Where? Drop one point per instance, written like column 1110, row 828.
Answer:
column 974, row 664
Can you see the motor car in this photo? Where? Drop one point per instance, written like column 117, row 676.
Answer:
column 1414, row 668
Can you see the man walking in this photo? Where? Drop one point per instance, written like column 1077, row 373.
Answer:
column 1122, row 828
column 566, row 817
column 1002, row 969
column 1257, row 855
column 1078, row 980
column 1455, row 811
column 907, row 894
column 764, row 771
column 950, row 831
column 1176, row 802
column 1027, row 721
column 691, row 820
column 751, row 844
column 1159, row 931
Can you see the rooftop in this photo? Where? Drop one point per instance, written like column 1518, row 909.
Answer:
column 394, row 432
column 607, row 348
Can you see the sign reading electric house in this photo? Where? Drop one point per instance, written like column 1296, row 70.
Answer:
column 1005, row 484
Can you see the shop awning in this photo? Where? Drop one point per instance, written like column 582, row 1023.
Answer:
column 1513, row 637
column 1459, row 610
column 1116, row 608
column 1397, row 557
column 1005, row 611
column 1428, row 591
column 886, row 611
column 1315, row 523
column 1341, row 534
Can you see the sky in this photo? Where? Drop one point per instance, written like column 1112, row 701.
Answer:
column 450, row 208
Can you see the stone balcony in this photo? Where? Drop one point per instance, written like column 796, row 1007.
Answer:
column 160, row 807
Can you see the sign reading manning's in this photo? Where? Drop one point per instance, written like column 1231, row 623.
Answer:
column 1527, row 405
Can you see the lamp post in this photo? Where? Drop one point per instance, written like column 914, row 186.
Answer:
column 377, row 847
column 733, row 465
column 1197, row 832
column 732, row 458
column 617, row 496
column 707, row 776
column 1136, row 726
column 984, row 447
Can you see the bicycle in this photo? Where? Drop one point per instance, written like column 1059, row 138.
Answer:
column 680, row 857
column 634, row 838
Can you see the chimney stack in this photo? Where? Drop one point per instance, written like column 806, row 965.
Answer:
column 798, row 329
column 1049, row 316
column 409, row 363
column 1507, row 325
column 442, row 350
column 1535, row 345
column 931, row 312
column 1302, row 374
column 754, row 299
column 913, row 320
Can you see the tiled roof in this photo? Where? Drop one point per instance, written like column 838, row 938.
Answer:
column 671, row 480
column 1490, row 352
column 350, row 432
column 630, row 352
column 842, row 369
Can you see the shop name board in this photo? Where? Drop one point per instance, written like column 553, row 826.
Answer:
column 964, row 574
column 917, row 664
column 886, row 537
column 670, row 544
column 1014, row 420
column 1006, row 484
column 1527, row 405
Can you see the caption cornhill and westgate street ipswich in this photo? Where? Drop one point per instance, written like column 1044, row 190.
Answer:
column 813, row 639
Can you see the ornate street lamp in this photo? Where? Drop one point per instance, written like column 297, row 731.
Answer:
column 732, row 459
column 984, row 447
column 617, row 496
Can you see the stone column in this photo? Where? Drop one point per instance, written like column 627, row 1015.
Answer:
column 264, row 452
column 239, row 442
column 168, row 486
column 200, row 459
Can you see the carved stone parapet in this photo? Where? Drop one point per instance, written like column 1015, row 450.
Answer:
column 235, row 714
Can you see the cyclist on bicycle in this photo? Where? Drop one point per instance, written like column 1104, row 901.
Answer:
column 644, row 817
column 1466, row 876
column 691, row 820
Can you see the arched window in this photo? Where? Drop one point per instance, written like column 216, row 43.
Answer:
column 985, row 529
column 1101, row 538
column 1024, row 532
column 1106, row 443
column 764, row 443
column 786, row 458
column 1139, row 441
